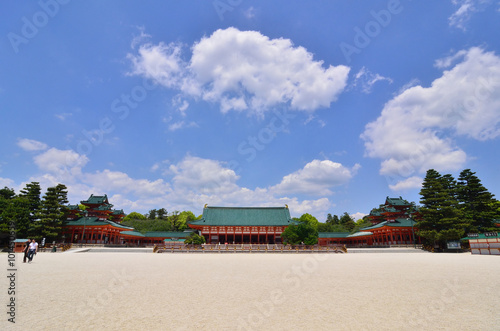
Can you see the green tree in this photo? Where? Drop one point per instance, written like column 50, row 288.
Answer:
column 361, row 223
column 161, row 213
column 194, row 239
column 441, row 219
column 476, row 203
column 32, row 192
column 309, row 219
column 133, row 216
column 152, row 214
column 52, row 214
column 305, row 231
column 347, row 222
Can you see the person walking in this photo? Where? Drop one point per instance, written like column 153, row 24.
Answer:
column 26, row 250
column 32, row 250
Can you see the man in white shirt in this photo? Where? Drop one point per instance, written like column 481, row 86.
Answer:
column 32, row 250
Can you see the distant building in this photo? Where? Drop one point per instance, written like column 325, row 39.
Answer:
column 259, row 225
column 394, row 223
column 393, row 209
column 100, row 224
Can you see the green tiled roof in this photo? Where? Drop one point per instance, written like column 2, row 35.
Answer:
column 96, row 199
column 118, row 212
column 91, row 221
column 396, row 201
column 400, row 222
column 245, row 216
column 72, row 207
column 103, row 207
column 132, row 233
column 360, row 234
column 333, row 234
column 94, row 221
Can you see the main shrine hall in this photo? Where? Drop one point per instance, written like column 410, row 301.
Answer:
column 254, row 225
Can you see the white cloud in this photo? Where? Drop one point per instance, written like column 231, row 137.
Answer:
column 365, row 79
column 244, row 70
column 181, row 125
column 63, row 116
column 141, row 38
column 358, row 216
column 6, row 182
column 465, row 10
column 187, row 184
column 116, row 181
column 204, row 175
column 417, row 128
column 249, row 13
column 161, row 62
column 316, row 178
column 31, row 145
column 64, row 164
column 409, row 183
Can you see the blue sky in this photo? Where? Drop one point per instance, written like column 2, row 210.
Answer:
column 327, row 108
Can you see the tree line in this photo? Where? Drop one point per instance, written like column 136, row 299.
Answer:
column 33, row 215
column 159, row 220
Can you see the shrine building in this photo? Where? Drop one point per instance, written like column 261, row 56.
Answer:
column 254, row 225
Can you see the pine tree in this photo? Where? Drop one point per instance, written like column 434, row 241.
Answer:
column 476, row 203
column 441, row 219
column 52, row 213
column 32, row 192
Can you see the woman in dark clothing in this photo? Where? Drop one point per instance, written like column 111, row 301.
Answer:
column 26, row 250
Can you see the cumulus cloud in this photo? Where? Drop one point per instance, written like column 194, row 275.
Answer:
column 205, row 175
column 417, row 129
column 63, row 163
column 243, row 71
column 358, row 215
column 316, row 178
column 31, row 145
column 409, row 183
column 117, row 181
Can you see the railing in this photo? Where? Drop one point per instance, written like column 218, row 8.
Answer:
column 250, row 248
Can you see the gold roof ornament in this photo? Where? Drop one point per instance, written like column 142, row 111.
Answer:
column 286, row 206
column 205, row 206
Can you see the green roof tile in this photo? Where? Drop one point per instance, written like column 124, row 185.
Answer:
column 333, row 234
column 245, row 216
